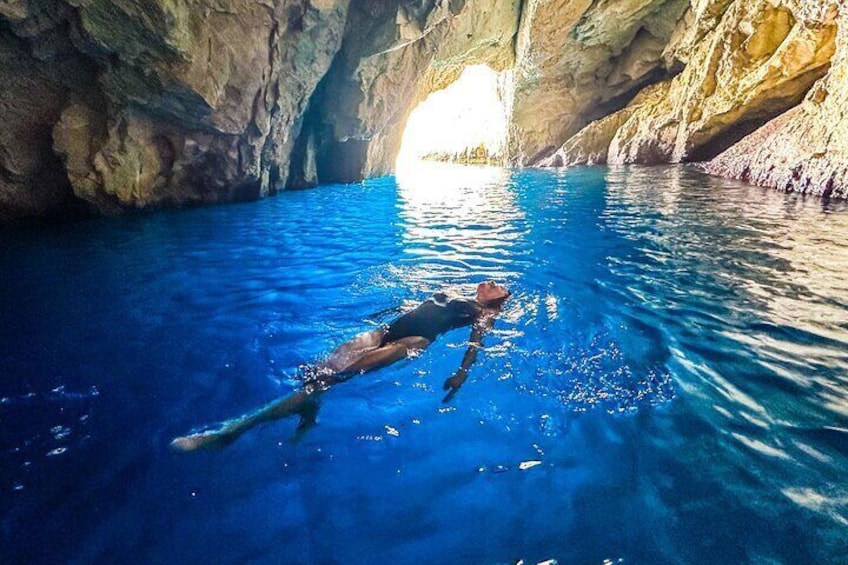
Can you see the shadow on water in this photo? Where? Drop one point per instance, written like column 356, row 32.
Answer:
column 671, row 372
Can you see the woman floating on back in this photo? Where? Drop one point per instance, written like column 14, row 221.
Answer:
column 412, row 332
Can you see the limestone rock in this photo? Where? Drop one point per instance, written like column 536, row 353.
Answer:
column 578, row 60
column 111, row 105
column 806, row 149
column 759, row 60
column 32, row 179
column 78, row 132
column 220, row 91
column 193, row 101
column 393, row 56
column 590, row 146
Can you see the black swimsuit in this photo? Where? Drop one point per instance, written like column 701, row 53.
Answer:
column 435, row 316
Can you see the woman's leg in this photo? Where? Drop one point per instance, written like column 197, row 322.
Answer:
column 304, row 402
column 348, row 353
column 388, row 354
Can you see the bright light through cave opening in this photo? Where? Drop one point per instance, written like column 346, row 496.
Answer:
column 466, row 122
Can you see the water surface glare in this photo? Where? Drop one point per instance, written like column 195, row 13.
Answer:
column 672, row 370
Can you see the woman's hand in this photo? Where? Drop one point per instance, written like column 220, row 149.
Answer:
column 453, row 384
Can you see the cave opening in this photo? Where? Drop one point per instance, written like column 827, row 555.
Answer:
column 466, row 122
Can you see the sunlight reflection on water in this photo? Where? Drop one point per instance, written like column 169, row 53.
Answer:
column 460, row 224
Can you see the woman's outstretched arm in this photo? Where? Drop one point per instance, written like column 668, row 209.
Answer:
column 475, row 343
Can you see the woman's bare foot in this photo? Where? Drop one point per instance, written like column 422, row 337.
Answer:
column 211, row 439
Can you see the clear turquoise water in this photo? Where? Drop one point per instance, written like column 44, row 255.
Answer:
column 674, row 355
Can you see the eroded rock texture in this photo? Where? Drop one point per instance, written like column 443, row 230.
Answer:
column 39, row 71
column 193, row 101
column 178, row 102
column 393, row 56
column 743, row 64
column 590, row 146
column 806, row 149
column 578, row 60
column 111, row 105
column 757, row 61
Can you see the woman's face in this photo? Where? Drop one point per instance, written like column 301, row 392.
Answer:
column 491, row 292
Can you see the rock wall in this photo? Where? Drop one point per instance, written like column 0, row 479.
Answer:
column 578, row 60
column 806, row 149
column 394, row 55
column 758, row 60
column 744, row 63
column 590, row 146
column 111, row 105
column 181, row 102
column 39, row 70
column 171, row 102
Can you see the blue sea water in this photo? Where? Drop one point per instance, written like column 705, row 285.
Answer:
column 673, row 357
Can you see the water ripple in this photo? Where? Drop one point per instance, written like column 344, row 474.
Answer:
column 673, row 357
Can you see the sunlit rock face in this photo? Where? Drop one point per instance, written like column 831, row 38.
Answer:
column 743, row 64
column 578, row 60
column 590, row 146
column 806, row 149
column 753, row 62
